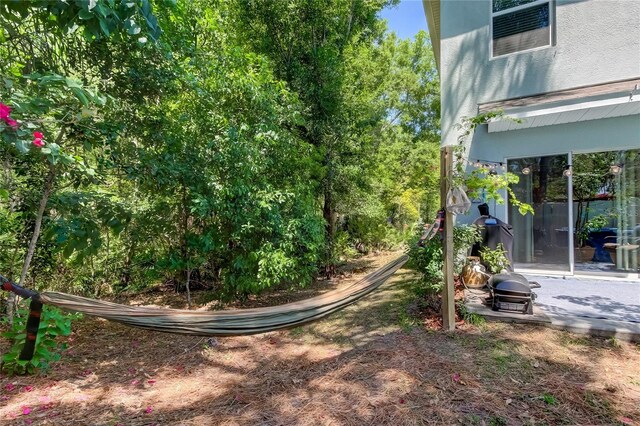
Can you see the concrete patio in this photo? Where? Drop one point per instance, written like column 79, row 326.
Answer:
column 589, row 306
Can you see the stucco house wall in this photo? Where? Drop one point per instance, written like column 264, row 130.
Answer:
column 595, row 41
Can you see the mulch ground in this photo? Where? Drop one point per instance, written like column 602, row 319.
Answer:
column 376, row 362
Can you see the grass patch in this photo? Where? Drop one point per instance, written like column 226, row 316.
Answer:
column 497, row 421
column 568, row 339
column 504, row 360
column 614, row 342
column 601, row 405
column 549, row 399
column 471, row 317
column 297, row 332
column 407, row 321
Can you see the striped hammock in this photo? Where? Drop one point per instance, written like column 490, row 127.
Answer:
column 218, row 323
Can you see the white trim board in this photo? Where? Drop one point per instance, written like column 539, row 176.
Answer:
column 574, row 112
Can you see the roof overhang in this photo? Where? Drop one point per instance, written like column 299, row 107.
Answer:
column 608, row 100
column 432, row 12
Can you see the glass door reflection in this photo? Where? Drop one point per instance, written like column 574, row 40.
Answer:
column 606, row 196
column 542, row 240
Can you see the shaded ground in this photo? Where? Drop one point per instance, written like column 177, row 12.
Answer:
column 372, row 363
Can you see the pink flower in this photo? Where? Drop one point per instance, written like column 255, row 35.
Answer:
column 5, row 110
column 38, row 143
column 11, row 123
column 456, row 377
column 26, row 410
column 151, row 382
column 9, row 387
column 148, row 410
column 38, row 135
column 28, row 388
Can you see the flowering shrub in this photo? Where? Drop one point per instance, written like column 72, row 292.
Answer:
column 37, row 139
column 5, row 110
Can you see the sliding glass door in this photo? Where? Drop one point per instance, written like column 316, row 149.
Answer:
column 606, row 193
column 601, row 226
column 541, row 241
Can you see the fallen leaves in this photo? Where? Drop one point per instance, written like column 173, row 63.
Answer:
column 456, row 379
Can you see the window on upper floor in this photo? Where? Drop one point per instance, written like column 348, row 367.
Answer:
column 518, row 25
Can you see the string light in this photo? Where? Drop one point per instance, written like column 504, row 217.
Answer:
column 494, row 165
column 616, row 168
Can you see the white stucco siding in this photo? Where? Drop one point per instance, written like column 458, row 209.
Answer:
column 596, row 41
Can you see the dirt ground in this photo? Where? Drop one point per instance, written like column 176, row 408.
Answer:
column 372, row 363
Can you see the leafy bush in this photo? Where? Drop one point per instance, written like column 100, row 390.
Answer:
column 496, row 260
column 374, row 233
column 464, row 236
column 53, row 323
column 429, row 259
column 343, row 247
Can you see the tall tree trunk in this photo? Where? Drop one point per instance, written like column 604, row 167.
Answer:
column 188, row 285
column 328, row 213
column 48, row 187
column 184, row 251
column 8, row 183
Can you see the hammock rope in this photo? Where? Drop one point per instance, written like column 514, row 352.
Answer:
column 203, row 323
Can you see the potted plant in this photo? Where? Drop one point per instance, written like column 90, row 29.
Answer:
column 590, row 239
column 495, row 260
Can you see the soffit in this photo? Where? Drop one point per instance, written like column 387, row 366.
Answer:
column 616, row 99
column 432, row 12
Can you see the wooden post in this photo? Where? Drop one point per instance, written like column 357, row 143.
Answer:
column 448, row 289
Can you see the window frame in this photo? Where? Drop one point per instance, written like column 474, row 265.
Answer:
column 493, row 15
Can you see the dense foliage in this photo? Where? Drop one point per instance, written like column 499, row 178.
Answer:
column 428, row 258
column 231, row 145
column 53, row 323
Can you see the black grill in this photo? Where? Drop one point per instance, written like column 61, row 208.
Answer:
column 511, row 292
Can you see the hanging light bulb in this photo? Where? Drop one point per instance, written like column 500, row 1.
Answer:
column 477, row 164
column 503, row 167
column 616, row 169
column 568, row 171
column 526, row 169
